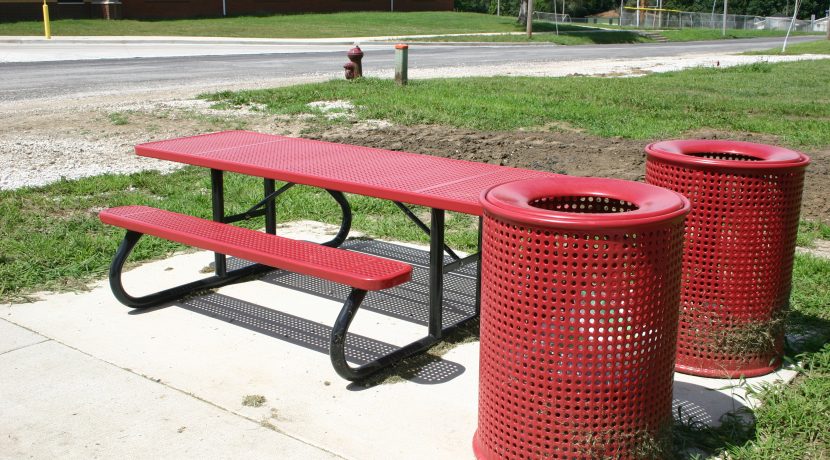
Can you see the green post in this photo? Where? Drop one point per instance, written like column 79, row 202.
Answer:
column 401, row 64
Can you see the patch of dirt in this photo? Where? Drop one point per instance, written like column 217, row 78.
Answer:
column 43, row 144
column 563, row 150
column 821, row 248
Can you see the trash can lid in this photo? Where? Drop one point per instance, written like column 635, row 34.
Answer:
column 584, row 203
column 726, row 154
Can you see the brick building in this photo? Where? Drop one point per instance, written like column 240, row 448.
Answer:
column 11, row 10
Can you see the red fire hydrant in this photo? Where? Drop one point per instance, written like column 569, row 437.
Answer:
column 354, row 67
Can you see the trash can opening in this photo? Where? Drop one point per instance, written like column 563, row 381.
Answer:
column 583, row 204
column 724, row 156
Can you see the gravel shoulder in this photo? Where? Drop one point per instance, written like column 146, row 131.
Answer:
column 46, row 140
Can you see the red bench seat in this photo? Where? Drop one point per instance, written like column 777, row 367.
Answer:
column 361, row 271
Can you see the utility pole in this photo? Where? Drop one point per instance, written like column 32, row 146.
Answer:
column 725, row 2
column 529, row 19
column 638, row 13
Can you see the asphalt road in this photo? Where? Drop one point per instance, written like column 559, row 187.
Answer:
column 20, row 81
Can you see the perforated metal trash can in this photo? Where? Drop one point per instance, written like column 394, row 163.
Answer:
column 580, row 283
column 738, row 257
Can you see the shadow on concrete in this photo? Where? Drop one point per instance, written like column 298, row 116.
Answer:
column 407, row 302
column 701, row 404
column 310, row 335
column 706, row 422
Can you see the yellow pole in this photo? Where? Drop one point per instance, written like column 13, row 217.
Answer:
column 47, row 29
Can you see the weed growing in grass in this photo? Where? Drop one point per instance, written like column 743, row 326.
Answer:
column 643, row 445
column 118, row 118
column 746, row 338
column 691, row 438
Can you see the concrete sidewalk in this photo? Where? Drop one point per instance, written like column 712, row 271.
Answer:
column 83, row 376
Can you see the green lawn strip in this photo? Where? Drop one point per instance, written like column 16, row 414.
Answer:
column 743, row 99
column 360, row 24
column 583, row 37
column 809, row 231
column 54, row 241
column 570, row 34
column 815, row 47
column 687, row 35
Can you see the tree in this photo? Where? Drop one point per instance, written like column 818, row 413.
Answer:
column 522, row 12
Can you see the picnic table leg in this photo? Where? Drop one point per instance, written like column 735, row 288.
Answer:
column 337, row 347
column 436, row 273
column 270, row 207
column 174, row 293
column 217, row 184
column 345, row 222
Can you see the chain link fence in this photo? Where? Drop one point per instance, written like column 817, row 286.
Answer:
column 671, row 19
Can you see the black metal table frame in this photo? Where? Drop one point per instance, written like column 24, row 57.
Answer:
column 267, row 208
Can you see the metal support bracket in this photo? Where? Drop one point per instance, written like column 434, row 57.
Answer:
column 174, row 293
column 411, row 215
column 337, row 349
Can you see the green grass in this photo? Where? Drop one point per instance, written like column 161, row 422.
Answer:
column 52, row 239
column 793, row 423
column 588, row 37
column 816, row 47
column 742, row 99
column 686, row 35
column 583, row 35
column 280, row 26
column 809, row 231
column 118, row 118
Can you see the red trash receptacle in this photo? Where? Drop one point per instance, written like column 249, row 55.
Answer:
column 738, row 256
column 580, row 284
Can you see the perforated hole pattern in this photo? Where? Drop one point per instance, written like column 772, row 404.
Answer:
column 577, row 339
column 329, row 263
column 583, row 204
column 737, row 265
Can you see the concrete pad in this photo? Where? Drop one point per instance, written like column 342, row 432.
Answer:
column 220, row 362
column 267, row 338
column 14, row 337
column 60, row 403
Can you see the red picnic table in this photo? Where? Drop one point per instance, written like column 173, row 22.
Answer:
column 441, row 184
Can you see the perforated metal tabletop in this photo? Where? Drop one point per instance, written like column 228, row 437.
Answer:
column 453, row 185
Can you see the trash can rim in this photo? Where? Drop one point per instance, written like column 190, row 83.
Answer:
column 655, row 205
column 767, row 156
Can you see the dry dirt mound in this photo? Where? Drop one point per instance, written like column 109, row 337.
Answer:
column 564, row 151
